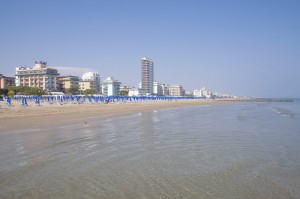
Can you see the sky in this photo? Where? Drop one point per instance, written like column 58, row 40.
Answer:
column 241, row 47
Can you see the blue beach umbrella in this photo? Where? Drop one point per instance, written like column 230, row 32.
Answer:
column 8, row 100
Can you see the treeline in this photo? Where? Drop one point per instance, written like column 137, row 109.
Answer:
column 21, row 90
column 25, row 90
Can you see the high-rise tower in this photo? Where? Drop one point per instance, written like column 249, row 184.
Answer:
column 147, row 76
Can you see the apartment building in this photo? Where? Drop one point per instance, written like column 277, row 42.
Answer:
column 111, row 87
column 67, row 82
column 175, row 90
column 6, row 81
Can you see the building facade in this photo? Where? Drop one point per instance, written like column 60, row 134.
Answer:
column 157, row 89
column 111, row 87
column 147, row 74
column 67, row 82
column 133, row 92
column 175, row 90
column 6, row 81
column 84, row 85
column 40, row 76
column 94, row 80
column 164, row 89
column 203, row 92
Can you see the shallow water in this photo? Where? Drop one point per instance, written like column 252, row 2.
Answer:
column 223, row 151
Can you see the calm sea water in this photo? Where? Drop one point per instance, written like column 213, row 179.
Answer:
column 224, row 151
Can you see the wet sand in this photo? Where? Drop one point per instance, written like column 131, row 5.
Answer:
column 17, row 117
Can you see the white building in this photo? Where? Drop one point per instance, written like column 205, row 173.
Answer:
column 111, row 87
column 133, row 92
column 156, row 88
column 197, row 93
column 91, row 80
column 164, row 89
column 203, row 92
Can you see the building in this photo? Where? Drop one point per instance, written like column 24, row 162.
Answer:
column 125, row 90
column 39, row 76
column 91, row 80
column 133, row 92
column 164, row 89
column 156, row 88
column 84, row 85
column 203, row 92
column 67, row 82
column 147, row 74
column 197, row 93
column 111, row 87
column 6, row 81
column 175, row 90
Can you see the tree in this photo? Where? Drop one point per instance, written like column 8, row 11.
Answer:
column 3, row 91
column 13, row 88
column 11, row 93
column 22, row 90
column 89, row 92
column 124, row 93
column 35, row 91
column 73, row 90
column 25, row 90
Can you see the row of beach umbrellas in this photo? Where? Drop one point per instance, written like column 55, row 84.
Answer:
column 80, row 99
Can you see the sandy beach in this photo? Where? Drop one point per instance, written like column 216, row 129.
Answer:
column 17, row 117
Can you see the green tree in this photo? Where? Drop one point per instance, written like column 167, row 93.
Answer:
column 25, row 90
column 11, row 93
column 73, row 91
column 89, row 92
column 124, row 93
column 3, row 91
column 8, row 88
column 35, row 91
column 22, row 90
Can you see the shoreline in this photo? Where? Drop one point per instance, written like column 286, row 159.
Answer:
column 44, row 116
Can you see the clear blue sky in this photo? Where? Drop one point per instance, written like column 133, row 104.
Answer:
column 241, row 47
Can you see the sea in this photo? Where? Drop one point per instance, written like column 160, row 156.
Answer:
column 243, row 151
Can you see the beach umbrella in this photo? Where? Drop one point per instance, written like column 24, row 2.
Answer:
column 8, row 99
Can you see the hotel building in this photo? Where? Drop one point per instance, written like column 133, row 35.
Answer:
column 6, row 81
column 39, row 76
column 147, row 75
column 111, row 87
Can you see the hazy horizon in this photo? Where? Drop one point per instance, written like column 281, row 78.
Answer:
column 249, row 48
